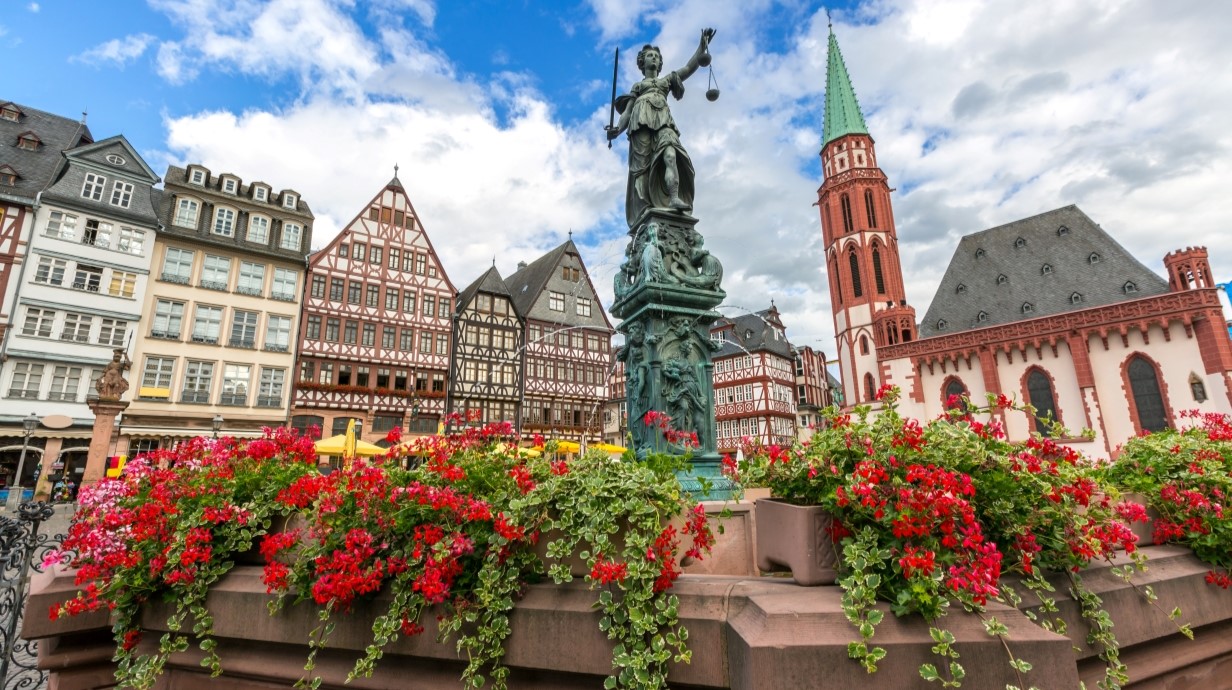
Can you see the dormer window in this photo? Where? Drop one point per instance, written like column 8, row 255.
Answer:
column 960, row 289
column 1046, row 269
column 979, row 253
column 1093, row 258
column 260, row 193
column 224, row 222
column 1129, row 287
column 1027, row 307
column 981, row 317
column 197, row 176
column 10, row 112
column 1075, row 298
column 1062, row 231
column 28, row 141
column 289, row 200
column 1002, row 279
column 1020, row 243
column 230, row 185
column 92, row 188
column 942, row 324
column 8, row 176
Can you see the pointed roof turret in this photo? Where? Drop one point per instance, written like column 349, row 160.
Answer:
column 843, row 114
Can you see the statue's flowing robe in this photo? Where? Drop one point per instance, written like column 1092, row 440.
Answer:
column 652, row 132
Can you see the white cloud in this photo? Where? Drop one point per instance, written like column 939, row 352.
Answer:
column 117, row 51
column 982, row 112
column 33, row 7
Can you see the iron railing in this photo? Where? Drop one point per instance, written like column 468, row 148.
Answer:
column 22, row 550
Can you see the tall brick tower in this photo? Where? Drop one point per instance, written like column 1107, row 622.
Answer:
column 857, row 224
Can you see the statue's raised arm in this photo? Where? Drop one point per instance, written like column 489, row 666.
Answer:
column 660, row 172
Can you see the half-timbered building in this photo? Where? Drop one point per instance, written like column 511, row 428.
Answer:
column 217, row 337
column 375, row 340
column 485, row 383
column 615, row 411
column 754, row 380
column 815, row 389
column 568, row 346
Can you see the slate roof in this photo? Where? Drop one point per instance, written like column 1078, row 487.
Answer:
column 1034, row 262
column 525, row 285
column 753, row 333
column 36, row 169
column 490, row 281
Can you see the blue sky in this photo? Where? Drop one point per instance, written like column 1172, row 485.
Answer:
column 983, row 113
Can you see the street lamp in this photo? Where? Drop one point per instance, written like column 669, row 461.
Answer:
column 28, row 425
column 217, row 423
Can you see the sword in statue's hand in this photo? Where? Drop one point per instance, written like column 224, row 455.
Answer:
column 611, row 113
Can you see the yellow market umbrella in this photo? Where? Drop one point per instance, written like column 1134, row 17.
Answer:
column 607, row 448
column 336, row 445
column 563, row 447
column 348, row 444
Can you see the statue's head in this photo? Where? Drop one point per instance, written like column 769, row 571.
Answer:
column 635, row 330
column 649, row 59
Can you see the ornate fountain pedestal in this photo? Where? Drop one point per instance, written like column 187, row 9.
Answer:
column 666, row 293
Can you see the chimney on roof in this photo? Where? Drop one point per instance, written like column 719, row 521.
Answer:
column 521, row 265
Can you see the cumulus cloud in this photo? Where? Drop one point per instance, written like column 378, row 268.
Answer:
column 33, row 7
column 117, row 51
column 983, row 113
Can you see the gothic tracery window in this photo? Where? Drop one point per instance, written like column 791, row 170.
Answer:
column 1149, row 401
column 1039, row 391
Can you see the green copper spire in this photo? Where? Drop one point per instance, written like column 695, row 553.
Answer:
column 843, row 114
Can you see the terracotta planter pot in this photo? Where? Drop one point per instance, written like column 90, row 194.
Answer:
column 796, row 538
column 1144, row 530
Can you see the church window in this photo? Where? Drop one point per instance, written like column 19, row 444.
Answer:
column 1144, row 385
column 1020, row 243
column 877, row 272
column 848, row 224
column 863, row 345
column 955, row 392
column 857, row 288
column 1075, row 298
column 1027, row 307
column 838, row 283
column 1046, row 269
column 942, row 324
column 1130, row 287
column 870, row 387
column 982, row 316
column 1062, row 231
column 1197, row 388
column 960, row 289
column 1093, row 258
column 979, row 253
column 868, row 207
column 1039, row 390
column 1002, row 279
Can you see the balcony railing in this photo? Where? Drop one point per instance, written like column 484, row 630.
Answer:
column 274, row 347
column 75, row 337
column 213, row 285
column 61, row 396
column 251, row 291
column 195, row 397
column 88, row 287
column 23, row 393
column 269, row 401
column 283, row 296
column 246, row 343
column 95, row 242
column 232, row 399
column 165, row 335
column 205, row 339
column 174, row 278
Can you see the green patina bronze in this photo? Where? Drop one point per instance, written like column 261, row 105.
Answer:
column 668, row 286
column 843, row 114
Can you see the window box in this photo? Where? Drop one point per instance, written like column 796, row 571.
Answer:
column 283, row 296
column 244, row 343
column 254, row 292
column 174, row 278
column 213, row 285
column 275, row 348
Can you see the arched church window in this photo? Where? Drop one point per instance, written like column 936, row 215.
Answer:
column 1197, row 388
column 955, row 393
column 838, row 283
column 877, row 271
column 1144, row 385
column 853, row 261
column 870, row 387
column 868, row 207
column 863, row 345
column 1039, row 391
column 845, row 202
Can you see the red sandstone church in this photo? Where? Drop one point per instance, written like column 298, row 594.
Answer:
column 1049, row 310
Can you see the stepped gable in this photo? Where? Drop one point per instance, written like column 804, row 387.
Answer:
column 36, row 169
column 1052, row 263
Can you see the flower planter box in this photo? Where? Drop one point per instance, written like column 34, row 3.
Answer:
column 1144, row 530
column 796, row 538
column 577, row 565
